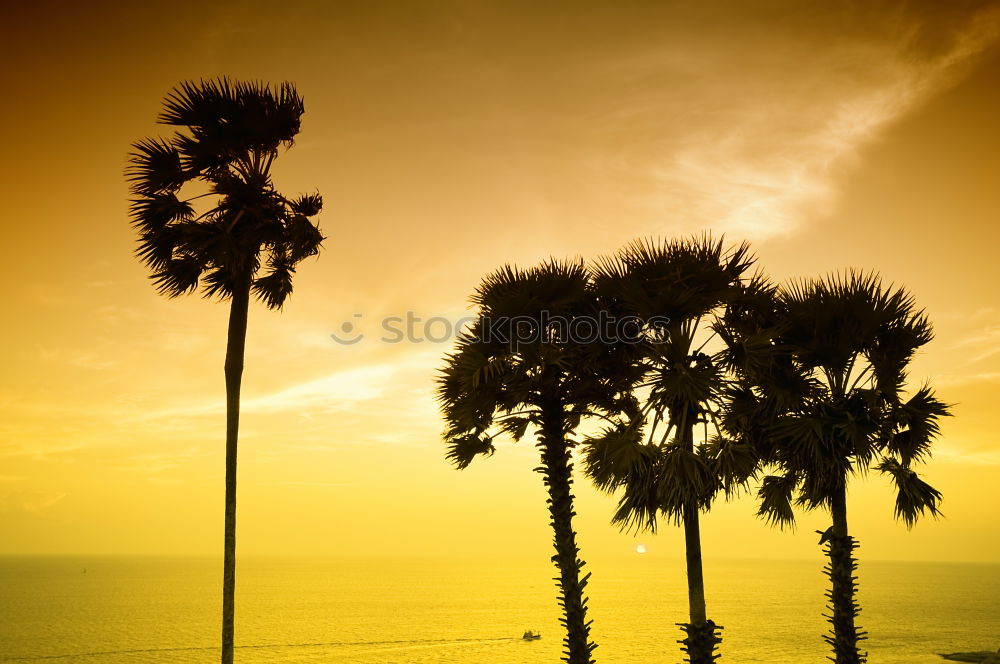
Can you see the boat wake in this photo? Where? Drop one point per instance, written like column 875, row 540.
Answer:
column 394, row 645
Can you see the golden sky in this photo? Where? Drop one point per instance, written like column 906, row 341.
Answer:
column 447, row 138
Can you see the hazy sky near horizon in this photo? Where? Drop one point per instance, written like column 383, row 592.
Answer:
column 448, row 138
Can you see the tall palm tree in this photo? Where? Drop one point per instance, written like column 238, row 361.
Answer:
column 244, row 238
column 675, row 289
column 823, row 378
column 523, row 363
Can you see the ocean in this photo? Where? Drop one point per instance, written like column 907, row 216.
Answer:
column 113, row 610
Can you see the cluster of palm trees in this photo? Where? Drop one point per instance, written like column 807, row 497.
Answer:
column 725, row 380
column 719, row 378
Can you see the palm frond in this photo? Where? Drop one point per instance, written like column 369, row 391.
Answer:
column 675, row 279
column 220, row 282
column 685, row 478
column 614, row 454
column 303, row 238
column 156, row 248
column 894, row 346
column 515, row 427
column 154, row 211
column 154, row 167
column 638, row 505
column 232, row 117
column 461, row 450
column 179, row 275
column 308, row 205
column 696, row 380
column 775, row 495
column 274, row 287
column 914, row 497
column 467, row 401
column 918, row 424
column 733, row 463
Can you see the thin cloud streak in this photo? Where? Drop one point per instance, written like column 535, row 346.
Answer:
column 316, row 484
column 770, row 166
column 954, row 455
column 336, row 391
column 956, row 380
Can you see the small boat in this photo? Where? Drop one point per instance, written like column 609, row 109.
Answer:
column 530, row 635
column 982, row 657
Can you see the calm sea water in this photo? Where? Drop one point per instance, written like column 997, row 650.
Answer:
column 112, row 610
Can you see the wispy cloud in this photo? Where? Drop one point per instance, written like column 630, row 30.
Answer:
column 317, row 484
column 955, row 380
column 90, row 361
column 332, row 392
column 775, row 154
column 32, row 502
column 335, row 391
column 982, row 344
column 161, row 462
column 956, row 455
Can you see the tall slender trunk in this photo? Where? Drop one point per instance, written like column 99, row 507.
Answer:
column 701, row 634
column 695, row 577
column 844, row 609
column 235, row 348
column 557, row 469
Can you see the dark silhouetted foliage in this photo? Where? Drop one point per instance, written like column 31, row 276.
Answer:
column 248, row 239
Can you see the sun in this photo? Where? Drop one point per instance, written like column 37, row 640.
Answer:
column 640, row 548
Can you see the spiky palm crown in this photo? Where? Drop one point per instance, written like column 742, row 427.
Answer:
column 676, row 289
column 494, row 384
column 823, row 372
column 227, row 135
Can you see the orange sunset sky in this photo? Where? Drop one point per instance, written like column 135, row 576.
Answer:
column 449, row 137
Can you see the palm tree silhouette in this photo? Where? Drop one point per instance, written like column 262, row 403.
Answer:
column 248, row 239
column 675, row 289
column 823, row 372
column 521, row 364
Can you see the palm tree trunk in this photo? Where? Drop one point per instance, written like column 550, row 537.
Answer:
column 696, row 580
column 701, row 635
column 235, row 349
column 557, row 469
column 844, row 609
